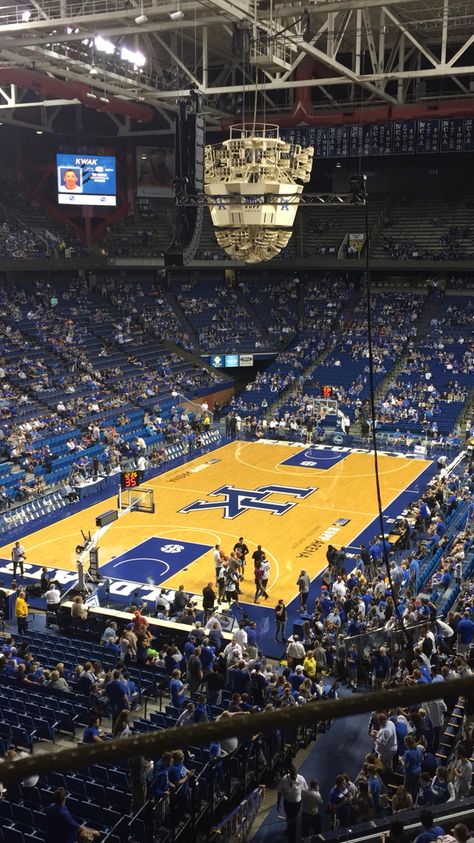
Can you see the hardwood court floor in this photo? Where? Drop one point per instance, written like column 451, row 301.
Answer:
column 293, row 540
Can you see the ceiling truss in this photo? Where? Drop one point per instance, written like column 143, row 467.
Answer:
column 364, row 51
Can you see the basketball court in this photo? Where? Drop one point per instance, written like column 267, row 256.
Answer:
column 291, row 499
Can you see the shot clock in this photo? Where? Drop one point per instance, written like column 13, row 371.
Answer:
column 326, row 392
column 130, row 479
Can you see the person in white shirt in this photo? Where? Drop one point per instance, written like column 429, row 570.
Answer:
column 290, row 790
column 385, row 739
column 211, row 623
column 233, row 651
column 241, row 636
column 18, row 558
column 295, row 651
column 162, row 602
column 141, row 463
column 52, row 597
column 339, row 588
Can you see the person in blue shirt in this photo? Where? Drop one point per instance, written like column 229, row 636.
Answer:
column 296, row 677
column 116, row 691
column 201, row 712
column 61, row 827
column 326, row 602
column 160, row 784
column 189, row 649
column 206, row 656
column 216, row 753
column 91, row 732
column 376, row 551
column 380, row 667
column 425, row 796
column 465, row 633
column 413, row 574
column 412, row 758
column 238, row 678
column 440, row 528
column 252, row 646
column 179, row 776
column 177, row 694
column 375, row 788
column 424, row 513
column 430, row 831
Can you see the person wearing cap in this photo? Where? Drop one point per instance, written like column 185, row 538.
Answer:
column 139, row 623
column 295, row 651
column 296, row 677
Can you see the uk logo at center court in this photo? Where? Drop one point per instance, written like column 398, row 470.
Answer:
column 237, row 501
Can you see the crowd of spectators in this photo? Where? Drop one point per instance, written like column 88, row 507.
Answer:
column 220, row 316
column 210, row 677
column 68, row 368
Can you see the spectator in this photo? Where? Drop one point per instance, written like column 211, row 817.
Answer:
column 290, row 790
column 21, row 613
column 430, row 831
column 91, row 733
column 311, row 804
column 61, row 827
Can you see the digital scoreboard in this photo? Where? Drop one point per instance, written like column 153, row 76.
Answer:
column 86, row 179
column 130, row 479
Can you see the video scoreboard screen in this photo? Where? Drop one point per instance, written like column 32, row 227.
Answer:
column 86, row 179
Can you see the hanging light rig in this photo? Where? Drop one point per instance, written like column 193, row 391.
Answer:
column 253, row 182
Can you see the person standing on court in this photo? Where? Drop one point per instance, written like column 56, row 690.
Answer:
column 280, row 620
column 303, row 585
column 258, row 576
column 265, row 565
column 290, row 789
column 217, row 560
column 18, row 558
column 258, row 554
column 243, row 550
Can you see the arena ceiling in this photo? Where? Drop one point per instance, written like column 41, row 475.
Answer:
column 345, row 54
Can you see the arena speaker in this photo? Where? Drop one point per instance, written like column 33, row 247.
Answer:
column 174, row 258
column 188, row 182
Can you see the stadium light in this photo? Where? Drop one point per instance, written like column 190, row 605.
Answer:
column 93, row 71
column 26, row 15
column 141, row 19
column 104, row 46
column 133, row 56
column 179, row 15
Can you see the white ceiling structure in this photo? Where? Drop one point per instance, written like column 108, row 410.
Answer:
column 344, row 54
